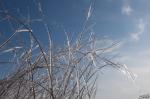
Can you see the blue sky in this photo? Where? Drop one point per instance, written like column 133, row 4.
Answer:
column 126, row 21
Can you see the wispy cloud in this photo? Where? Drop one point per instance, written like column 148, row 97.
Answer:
column 127, row 10
column 140, row 29
column 140, row 26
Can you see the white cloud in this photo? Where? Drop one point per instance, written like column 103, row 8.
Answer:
column 113, row 85
column 140, row 26
column 127, row 10
column 140, row 30
column 139, row 63
column 124, row 88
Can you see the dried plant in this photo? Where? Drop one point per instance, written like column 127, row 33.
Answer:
column 62, row 72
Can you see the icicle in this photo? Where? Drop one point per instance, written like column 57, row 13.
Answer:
column 89, row 12
column 35, row 47
column 40, row 7
column 23, row 30
column 124, row 69
column 11, row 49
column 31, row 41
